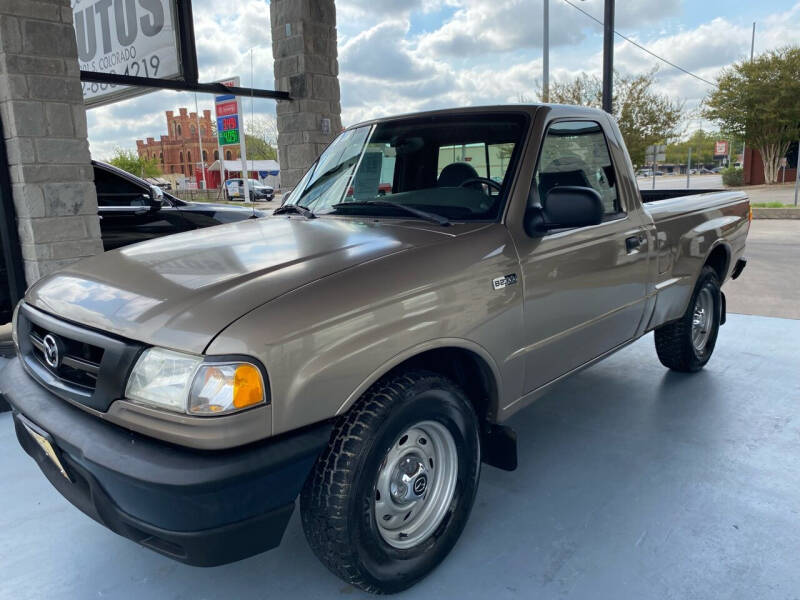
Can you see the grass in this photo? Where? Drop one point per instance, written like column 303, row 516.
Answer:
column 771, row 205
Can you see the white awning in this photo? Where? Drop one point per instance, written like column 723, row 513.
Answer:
column 270, row 166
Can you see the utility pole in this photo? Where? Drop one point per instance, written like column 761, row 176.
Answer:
column 752, row 49
column 655, row 155
column 546, row 52
column 200, row 141
column 689, row 169
column 608, row 56
column 797, row 174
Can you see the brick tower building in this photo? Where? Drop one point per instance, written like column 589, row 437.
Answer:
column 178, row 152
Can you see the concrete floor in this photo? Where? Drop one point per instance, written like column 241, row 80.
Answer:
column 634, row 482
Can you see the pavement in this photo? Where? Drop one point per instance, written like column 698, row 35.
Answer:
column 634, row 482
column 770, row 285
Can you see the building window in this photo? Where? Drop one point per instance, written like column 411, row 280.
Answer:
column 227, row 155
column 194, row 131
column 161, row 157
column 179, row 130
column 181, row 157
column 203, row 131
column 216, row 154
column 189, row 156
column 190, row 169
column 172, row 168
column 205, row 156
column 183, row 171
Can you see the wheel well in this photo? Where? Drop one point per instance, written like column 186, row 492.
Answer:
column 718, row 260
column 469, row 370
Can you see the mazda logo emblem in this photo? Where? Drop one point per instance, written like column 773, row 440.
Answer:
column 420, row 483
column 52, row 355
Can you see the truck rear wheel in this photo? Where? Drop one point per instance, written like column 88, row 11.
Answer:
column 390, row 495
column 687, row 344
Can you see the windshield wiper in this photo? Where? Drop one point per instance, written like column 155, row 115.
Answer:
column 422, row 214
column 296, row 209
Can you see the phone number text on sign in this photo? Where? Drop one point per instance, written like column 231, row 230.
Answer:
column 127, row 37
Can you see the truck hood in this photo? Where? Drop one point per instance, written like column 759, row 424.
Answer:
column 180, row 291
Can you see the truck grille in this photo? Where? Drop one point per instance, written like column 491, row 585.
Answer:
column 74, row 362
column 80, row 363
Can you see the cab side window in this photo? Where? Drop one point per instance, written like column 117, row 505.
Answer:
column 575, row 153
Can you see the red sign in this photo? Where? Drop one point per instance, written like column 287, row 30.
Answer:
column 721, row 148
column 226, row 108
column 229, row 123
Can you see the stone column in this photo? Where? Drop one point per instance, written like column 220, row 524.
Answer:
column 44, row 122
column 304, row 53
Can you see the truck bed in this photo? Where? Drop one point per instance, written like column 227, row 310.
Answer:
column 655, row 195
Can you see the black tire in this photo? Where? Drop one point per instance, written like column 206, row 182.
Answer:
column 338, row 500
column 674, row 344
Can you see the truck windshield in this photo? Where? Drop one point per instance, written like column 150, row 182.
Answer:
column 457, row 167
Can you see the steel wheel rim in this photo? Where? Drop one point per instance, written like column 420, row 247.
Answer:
column 702, row 319
column 415, row 485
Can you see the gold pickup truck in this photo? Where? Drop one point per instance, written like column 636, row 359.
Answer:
column 430, row 275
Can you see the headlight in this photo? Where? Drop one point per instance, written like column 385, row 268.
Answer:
column 184, row 383
column 225, row 388
column 14, row 337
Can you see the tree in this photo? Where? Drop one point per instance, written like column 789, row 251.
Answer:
column 760, row 101
column 702, row 144
column 261, row 137
column 129, row 161
column 644, row 116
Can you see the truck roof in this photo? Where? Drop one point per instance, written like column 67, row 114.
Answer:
column 566, row 109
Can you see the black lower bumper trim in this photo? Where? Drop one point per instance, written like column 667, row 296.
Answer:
column 198, row 507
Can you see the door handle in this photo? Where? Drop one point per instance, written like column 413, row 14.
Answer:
column 633, row 243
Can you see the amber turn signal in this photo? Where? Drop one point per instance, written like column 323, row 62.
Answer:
column 247, row 386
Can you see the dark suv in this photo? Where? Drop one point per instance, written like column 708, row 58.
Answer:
column 131, row 210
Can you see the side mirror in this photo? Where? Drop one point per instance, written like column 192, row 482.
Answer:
column 156, row 197
column 565, row 207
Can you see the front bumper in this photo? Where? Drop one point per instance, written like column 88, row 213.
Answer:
column 201, row 508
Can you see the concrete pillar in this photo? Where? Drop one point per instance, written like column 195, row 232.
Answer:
column 44, row 124
column 304, row 51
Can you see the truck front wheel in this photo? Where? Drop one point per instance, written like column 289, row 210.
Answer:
column 390, row 495
column 687, row 344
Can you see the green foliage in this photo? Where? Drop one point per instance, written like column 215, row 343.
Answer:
column 259, row 149
column 702, row 144
column 758, row 101
column 261, row 138
column 769, row 205
column 129, row 161
column 733, row 177
column 644, row 116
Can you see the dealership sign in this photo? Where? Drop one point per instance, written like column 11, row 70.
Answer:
column 721, row 148
column 125, row 37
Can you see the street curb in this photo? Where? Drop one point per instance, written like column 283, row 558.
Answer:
column 776, row 213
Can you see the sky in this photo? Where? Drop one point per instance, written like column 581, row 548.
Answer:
column 399, row 56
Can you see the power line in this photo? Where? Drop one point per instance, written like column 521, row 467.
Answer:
column 638, row 45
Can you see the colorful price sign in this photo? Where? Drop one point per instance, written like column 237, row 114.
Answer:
column 227, row 108
column 227, row 120
column 227, row 137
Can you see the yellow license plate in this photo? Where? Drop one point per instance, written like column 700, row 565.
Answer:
column 45, row 445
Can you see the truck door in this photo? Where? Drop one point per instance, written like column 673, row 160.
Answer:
column 584, row 287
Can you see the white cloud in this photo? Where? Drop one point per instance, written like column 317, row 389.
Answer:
column 400, row 56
